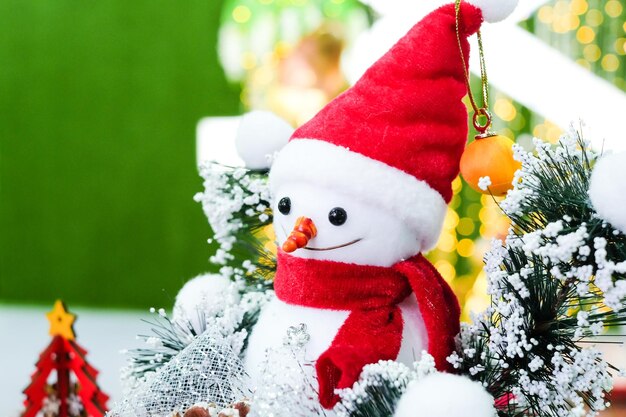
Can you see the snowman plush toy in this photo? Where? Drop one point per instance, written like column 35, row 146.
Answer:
column 360, row 192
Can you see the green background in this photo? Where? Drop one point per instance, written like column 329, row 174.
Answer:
column 98, row 106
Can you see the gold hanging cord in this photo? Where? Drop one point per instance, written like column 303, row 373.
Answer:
column 482, row 111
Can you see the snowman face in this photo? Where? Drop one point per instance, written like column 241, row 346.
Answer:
column 348, row 229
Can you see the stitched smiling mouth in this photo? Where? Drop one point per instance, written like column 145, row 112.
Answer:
column 323, row 249
column 335, row 247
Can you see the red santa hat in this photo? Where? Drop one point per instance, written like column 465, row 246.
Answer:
column 396, row 137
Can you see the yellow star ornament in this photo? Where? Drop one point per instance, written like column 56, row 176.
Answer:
column 61, row 321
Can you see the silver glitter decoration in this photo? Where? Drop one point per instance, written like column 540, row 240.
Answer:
column 297, row 336
column 288, row 387
column 205, row 371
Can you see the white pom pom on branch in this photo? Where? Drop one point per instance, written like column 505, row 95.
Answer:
column 494, row 10
column 260, row 134
column 201, row 295
column 445, row 395
column 608, row 189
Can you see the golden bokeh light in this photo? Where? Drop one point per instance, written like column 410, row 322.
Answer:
column 465, row 248
column 594, row 18
column 579, row 7
column 592, row 53
column 477, row 299
column 561, row 8
column 610, row 63
column 613, row 8
column 505, row 109
column 620, row 46
column 548, row 131
column 447, row 242
column 585, row 35
column 451, row 220
column 457, row 184
column 473, row 209
column 545, row 14
column 466, row 226
column 446, row 269
column 455, row 203
column 494, row 223
column 242, row 14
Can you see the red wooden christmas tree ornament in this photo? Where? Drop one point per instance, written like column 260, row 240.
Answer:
column 74, row 393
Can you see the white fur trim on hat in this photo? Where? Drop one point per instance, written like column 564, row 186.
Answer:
column 494, row 10
column 327, row 165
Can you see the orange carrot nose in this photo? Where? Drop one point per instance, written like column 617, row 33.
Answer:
column 302, row 232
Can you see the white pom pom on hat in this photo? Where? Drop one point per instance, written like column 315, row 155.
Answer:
column 260, row 134
column 608, row 189
column 445, row 395
column 494, row 10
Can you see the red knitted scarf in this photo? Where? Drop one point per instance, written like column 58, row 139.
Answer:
column 373, row 329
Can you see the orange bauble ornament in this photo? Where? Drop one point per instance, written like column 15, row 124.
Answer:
column 490, row 156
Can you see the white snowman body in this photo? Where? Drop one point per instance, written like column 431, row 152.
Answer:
column 322, row 326
column 381, row 239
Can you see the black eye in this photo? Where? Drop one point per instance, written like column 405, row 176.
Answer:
column 337, row 216
column 284, row 205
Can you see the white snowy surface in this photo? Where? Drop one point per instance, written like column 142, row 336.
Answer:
column 24, row 335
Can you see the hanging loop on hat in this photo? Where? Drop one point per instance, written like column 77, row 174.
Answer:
column 479, row 111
